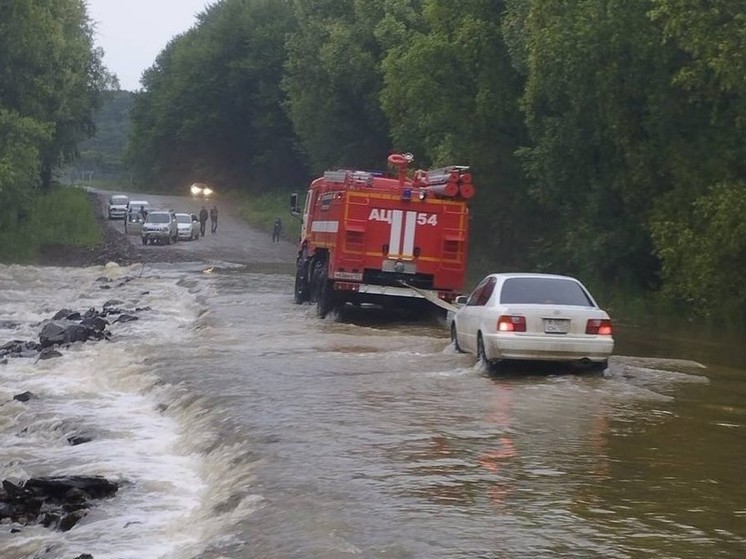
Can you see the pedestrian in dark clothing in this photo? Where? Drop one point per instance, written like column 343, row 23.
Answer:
column 214, row 218
column 143, row 212
column 202, row 220
column 276, row 230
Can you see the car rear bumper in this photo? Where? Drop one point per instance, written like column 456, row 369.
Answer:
column 546, row 348
column 115, row 213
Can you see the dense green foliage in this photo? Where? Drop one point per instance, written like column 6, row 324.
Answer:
column 100, row 158
column 50, row 81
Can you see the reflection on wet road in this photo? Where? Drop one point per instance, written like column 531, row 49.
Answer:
column 378, row 440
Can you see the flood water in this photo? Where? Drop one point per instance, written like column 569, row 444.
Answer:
column 239, row 425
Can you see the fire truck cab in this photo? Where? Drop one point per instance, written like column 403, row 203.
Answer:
column 368, row 238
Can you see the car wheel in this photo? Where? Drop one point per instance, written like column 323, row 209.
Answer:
column 481, row 356
column 454, row 338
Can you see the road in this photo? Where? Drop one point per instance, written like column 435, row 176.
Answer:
column 234, row 242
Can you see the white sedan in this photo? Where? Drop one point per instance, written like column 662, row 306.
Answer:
column 533, row 317
column 188, row 226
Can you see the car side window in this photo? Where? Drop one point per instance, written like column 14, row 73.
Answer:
column 486, row 293
column 476, row 295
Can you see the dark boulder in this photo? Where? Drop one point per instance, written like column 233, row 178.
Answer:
column 75, row 440
column 24, row 397
column 62, row 332
column 49, row 353
column 96, row 487
column 68, row 521
column 18, row 348
column 126, row 318
column 62, row 314
column 95, row 322
column 54, row 502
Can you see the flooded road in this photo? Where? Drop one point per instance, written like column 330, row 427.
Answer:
column 240, row 425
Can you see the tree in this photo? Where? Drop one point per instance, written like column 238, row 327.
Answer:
column 51, row 72
column 211, row 108
column 451, row 94
column 333, row 81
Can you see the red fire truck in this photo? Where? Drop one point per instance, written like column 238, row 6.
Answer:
column 394, row 241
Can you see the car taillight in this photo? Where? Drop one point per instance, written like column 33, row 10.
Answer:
column 510, row 323
column 599, row 327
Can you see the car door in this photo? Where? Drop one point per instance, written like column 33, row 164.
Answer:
column 468, row 317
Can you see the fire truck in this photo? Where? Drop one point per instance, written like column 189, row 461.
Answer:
column 396, row 241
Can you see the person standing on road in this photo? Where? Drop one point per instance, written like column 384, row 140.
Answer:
column 202, row 221
column 214, row 219
column 276, row 230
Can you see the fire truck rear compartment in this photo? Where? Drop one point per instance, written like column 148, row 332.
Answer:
column 379, row 277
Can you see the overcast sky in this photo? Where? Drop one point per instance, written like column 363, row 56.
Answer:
column 133, row 32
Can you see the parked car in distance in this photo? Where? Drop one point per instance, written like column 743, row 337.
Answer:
column 188, row 226
column 159, row 227
column 201, row 190
column 533, row 317
column 134, row 218
column 117, row 207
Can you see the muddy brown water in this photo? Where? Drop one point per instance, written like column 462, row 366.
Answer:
column 244, row 426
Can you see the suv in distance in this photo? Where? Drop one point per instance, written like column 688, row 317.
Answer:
column 160, row 226
column 118, row 206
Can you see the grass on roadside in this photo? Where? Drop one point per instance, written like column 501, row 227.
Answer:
column 61, row 217
column 261, row 212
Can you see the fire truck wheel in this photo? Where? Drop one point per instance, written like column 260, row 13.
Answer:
column 302, row 289
column 454, row 338
column 324, row 302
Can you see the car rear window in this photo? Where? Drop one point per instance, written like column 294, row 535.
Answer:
column 543, row 291
column 158, row 218
column 119, row 200
column 183, row 218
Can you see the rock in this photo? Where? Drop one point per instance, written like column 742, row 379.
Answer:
column 84, row 556
column 112, row 303
column 124, row 317
column 78, row 439
column 9, row 324
column 17, row 348
column 23, row 397
column 56, row 502
column 62, row 314
column 49, row 353
column 62, row 332
column 96, row 323
column 56, row 488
